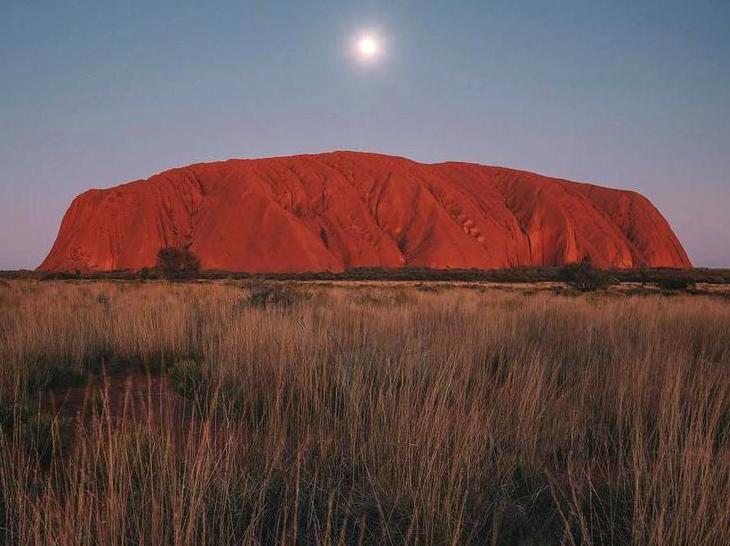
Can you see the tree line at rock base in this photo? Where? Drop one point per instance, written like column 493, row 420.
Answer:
column 180, row 263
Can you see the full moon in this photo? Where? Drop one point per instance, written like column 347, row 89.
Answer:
column 367, row 46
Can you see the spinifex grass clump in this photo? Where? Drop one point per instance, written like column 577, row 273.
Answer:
column 407, row 417
column 273, row 294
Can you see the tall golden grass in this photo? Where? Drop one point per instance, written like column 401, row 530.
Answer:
column 365, row 416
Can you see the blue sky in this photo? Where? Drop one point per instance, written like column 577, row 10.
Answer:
column 626, row 94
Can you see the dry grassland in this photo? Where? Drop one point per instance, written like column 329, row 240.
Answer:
column 231, row 413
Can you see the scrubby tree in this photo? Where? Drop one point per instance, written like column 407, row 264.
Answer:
column 643, row 274
column 177, row 262
column 676, row 282
column 584, row 277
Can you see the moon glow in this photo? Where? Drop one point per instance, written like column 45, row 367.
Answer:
column 367, row 47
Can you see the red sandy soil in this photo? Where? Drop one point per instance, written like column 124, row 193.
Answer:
column 341, row 210
column 126, row 401
column 136, row 397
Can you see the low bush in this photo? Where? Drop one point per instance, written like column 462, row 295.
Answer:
column 188, row 379
column 38, row 434
column 54, row 376
column 274, row 294
column 174, row 262
column 584, row 277
column 386, row 297
column 675, row 283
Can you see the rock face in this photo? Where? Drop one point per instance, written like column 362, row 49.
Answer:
column 341, row 210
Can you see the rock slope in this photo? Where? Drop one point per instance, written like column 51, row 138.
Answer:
column 341, row 210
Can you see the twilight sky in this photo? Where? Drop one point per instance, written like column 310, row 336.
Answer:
column 627, row 94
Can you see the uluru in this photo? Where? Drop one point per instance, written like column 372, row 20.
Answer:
column 342, row 210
